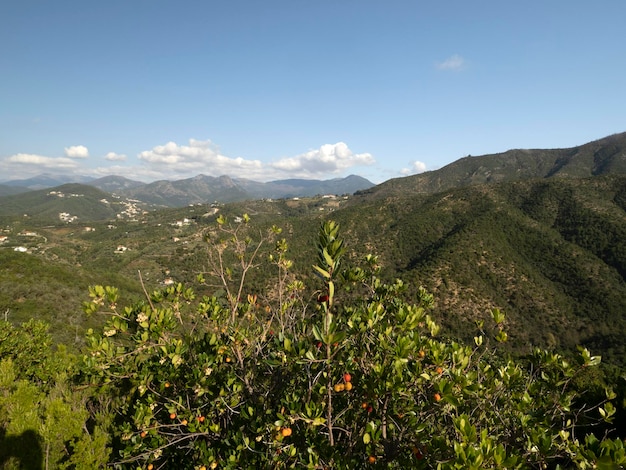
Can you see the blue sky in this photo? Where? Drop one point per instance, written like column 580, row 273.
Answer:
column 152, row 89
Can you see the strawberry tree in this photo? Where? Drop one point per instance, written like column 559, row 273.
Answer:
column 354, row 377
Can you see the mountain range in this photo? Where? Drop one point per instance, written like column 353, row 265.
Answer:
column 196, row 190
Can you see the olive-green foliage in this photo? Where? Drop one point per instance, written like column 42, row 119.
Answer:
column 356, row 378
column 44, row 416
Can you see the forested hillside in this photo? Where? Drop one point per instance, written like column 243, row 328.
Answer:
column 606, row 156
column 552, row 253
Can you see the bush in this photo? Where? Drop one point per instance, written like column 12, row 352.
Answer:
column 44, row 418
column 354, row 377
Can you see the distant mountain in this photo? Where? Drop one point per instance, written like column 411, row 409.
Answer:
column 601, row 157
column 303, row 188
column 199, row 189
column 46, row 180
column 115, row 184
column 208, row 189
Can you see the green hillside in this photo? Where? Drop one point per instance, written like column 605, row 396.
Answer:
column 602, row 157
column 551, row 253
column 67, row 203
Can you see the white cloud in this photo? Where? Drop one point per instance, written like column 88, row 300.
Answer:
column 328, row 159
column 415, row 168
column 76, row 151
column 454, row 63
column 197, row 157
column 115, row 157
column 29, row 159
column 26, row 165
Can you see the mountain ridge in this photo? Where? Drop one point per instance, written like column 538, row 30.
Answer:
column 603, row 156
column 200, row 188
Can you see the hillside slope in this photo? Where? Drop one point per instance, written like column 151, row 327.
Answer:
column 551, row 253
column 68, row 203
column 601, row 157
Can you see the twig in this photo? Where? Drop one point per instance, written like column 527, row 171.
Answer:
column 144, row 290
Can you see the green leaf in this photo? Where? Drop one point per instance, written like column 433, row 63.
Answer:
column 322, row 272
column 317, row 333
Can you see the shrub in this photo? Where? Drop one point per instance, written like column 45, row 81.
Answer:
column 353, row 377
column 44, row 419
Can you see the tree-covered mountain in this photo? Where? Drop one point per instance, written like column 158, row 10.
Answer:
column 600, row 157
column 199, row 189
column 196, row 190
column 202, row 189
column 68, row 203
column 115, row 184
column 6, row 190
column 551, row 253
column 46, row 180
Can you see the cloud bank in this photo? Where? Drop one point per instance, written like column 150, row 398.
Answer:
column 328, row 159
column 176, row 161
column 196, row 158
column 28, row 160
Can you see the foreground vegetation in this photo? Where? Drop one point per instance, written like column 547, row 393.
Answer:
column 345, row 372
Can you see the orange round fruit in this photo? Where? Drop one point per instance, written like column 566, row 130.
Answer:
column 184, row 422
column 150, row 467
column 439, row 370
column 339, row 387
column 286, row 432
column 348, row 386
column 371, row 459
column 167, row 384
column 437, row 397
column 364, row 405
column 172, row 415
column 347, row 377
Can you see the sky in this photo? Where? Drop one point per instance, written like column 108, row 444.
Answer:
column 276, row 89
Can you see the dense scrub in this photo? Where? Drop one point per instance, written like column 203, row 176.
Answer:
column 344, row 372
